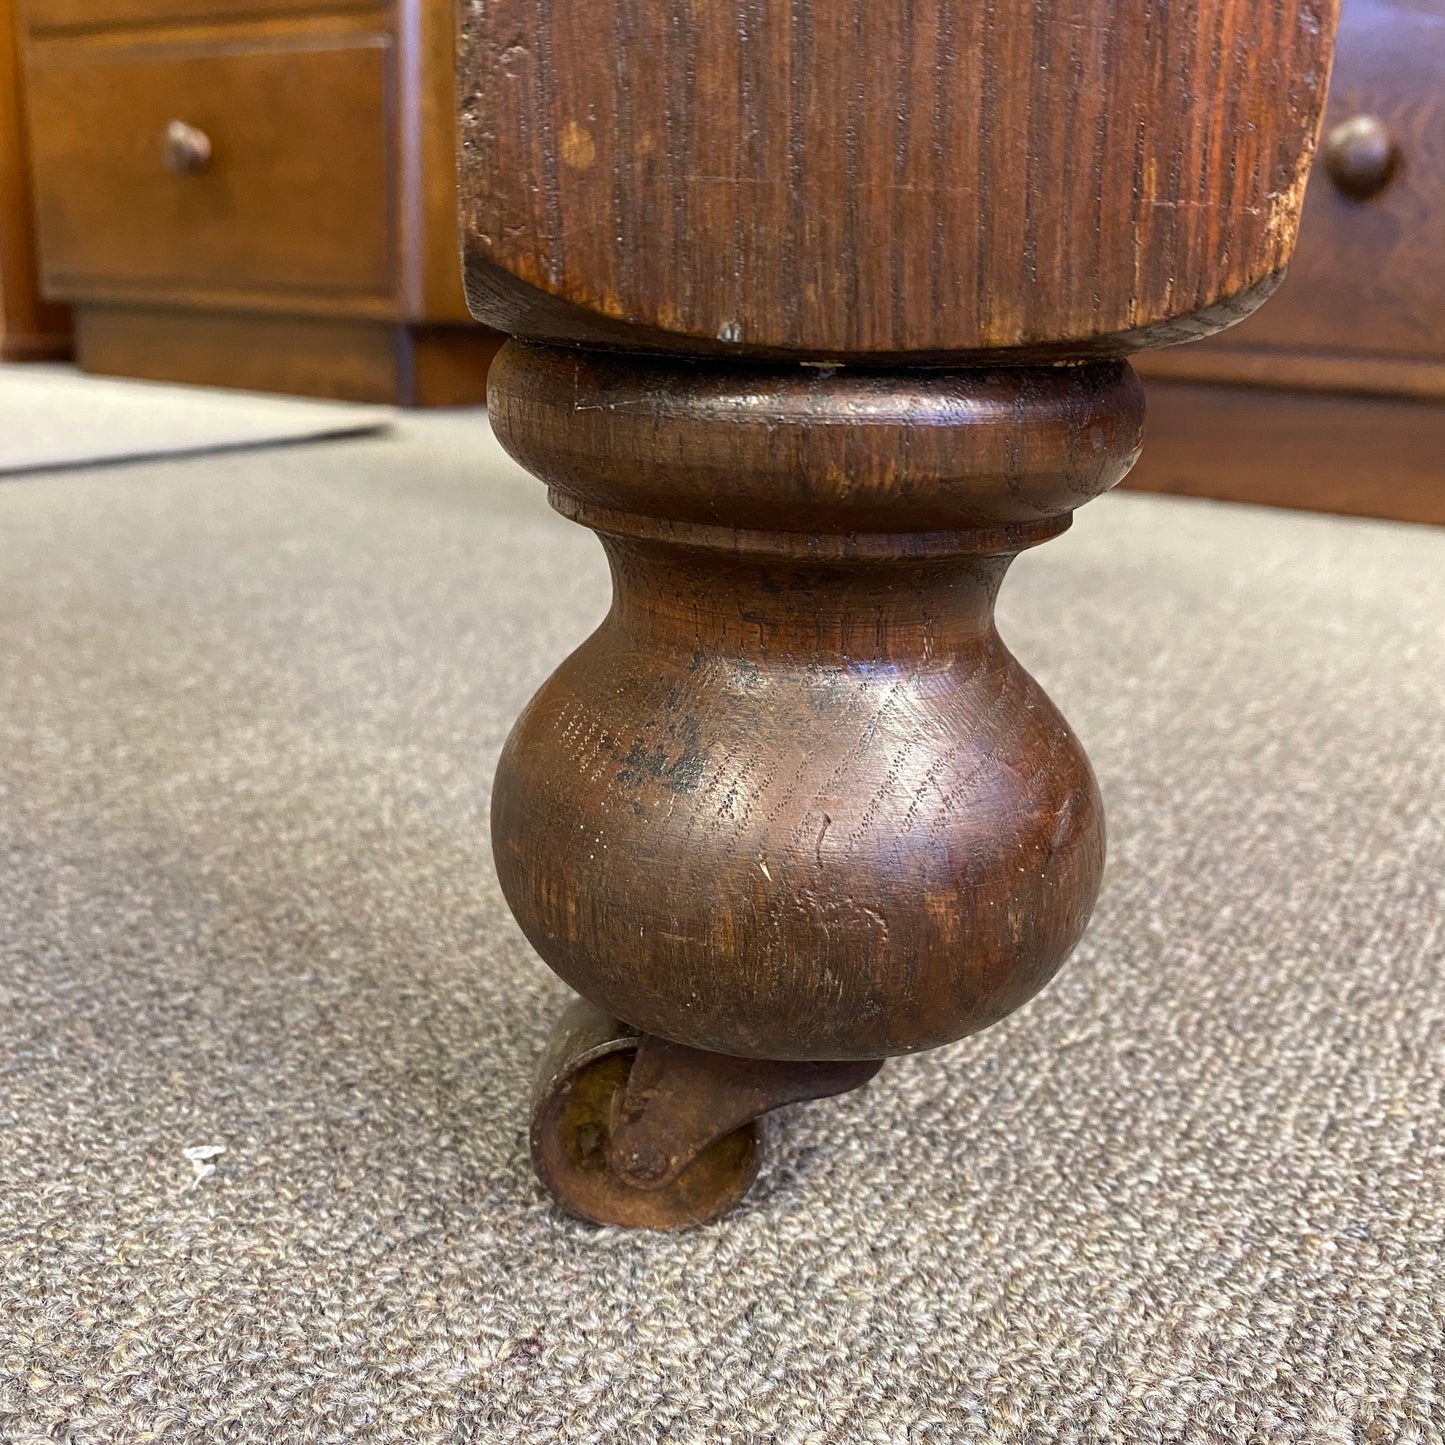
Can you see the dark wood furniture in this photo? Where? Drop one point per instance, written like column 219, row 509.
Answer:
column 822, row 315
column 31, row 329
column 256, row 193
column 1333, row 396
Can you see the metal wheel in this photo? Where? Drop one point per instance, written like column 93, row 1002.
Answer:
column 583, row 1074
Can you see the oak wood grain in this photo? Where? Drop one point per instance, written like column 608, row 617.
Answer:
column 795, row 798
column 835, row 178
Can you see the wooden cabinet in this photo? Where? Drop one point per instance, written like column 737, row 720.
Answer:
column 87, row 14
column 1367, row 279
column 1332, row 395
column 256, row 193
column 30, row 329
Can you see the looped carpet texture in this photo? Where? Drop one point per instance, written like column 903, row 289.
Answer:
column 1195, row 1192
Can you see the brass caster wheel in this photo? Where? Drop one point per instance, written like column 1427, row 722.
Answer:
column 580, row 1087
column 640, row 1131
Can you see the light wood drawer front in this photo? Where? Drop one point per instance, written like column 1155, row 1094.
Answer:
column 97, row 14
column 1367, row 274
column 294, row 197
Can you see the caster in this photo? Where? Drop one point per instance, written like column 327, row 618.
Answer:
column 637, row 1131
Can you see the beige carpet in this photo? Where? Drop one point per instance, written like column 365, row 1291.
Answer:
column 53, row 416
column 249, row 706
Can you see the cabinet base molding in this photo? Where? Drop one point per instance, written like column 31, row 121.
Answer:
column 34, row 346
column 335, row 357
column 1362, row 456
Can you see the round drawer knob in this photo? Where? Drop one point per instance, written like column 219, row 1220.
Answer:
column 1361, row 156
column 187, row 149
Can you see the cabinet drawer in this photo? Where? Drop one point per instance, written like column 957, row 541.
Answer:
column 1366, row 275
column 293, row 197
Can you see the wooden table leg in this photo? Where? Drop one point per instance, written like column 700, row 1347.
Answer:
column 823, row 315
column 794, row 799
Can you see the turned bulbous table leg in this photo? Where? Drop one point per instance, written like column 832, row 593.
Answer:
column 793, row 803
column 821, row 310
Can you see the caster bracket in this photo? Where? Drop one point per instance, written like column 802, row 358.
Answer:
column 679, row 1101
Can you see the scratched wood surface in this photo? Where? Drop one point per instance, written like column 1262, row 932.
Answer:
column 839, row 177
column 795, row 799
